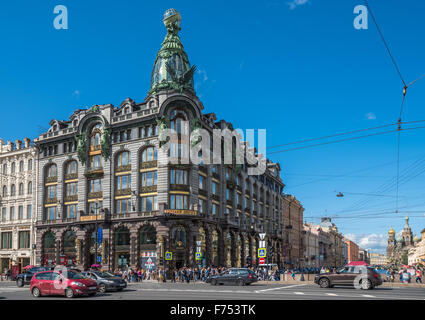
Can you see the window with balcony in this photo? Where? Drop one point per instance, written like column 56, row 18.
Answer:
column 70, row 211
column 122, row 206
column 50, row 213
column 71, row 170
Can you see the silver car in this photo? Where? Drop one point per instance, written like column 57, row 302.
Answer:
column 106, row 281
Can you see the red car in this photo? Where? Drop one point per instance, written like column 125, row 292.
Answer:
column 68, row 283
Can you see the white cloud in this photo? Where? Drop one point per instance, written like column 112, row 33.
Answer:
column 370, row 116
column 295, row 3
column 371, row 241
column 203, row 73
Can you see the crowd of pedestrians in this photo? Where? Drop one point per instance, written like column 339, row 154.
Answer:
column 405, row 276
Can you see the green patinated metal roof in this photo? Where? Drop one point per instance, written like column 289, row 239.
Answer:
column 172, row 70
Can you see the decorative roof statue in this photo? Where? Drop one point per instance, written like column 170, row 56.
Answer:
column 172, row 70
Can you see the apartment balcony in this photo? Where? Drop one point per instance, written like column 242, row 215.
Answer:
column 123, row 192
column 125, row 168
column 149, row 164
column 71, row 176
column 71, row 198
column 94, row 173
column 95, row 195
column 148, row 189
column 51, row 201
column 51, row 179
column 203, row 192
column 179, row 187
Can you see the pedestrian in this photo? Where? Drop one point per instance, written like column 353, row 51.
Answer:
column 293, row 275
column 406, row 276
column 418, row 275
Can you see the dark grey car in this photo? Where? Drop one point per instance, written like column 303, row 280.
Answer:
column 106, row 281
column 238, row 276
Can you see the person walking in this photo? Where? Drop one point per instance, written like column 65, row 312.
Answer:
column 418, row 275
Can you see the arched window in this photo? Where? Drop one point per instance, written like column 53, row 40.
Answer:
column 122, row 237
column 179, row 121
column 123, row 159
column 71, row 168
column 21, row 189
column 29, row 164
column 149, row 154
column 178, row 236
column 30, row 187
column 147, row 235
column 95, row 136
column 5, row 168
column 52, row 171
column 13, row 167
column 21, row 166
column 4, row 191
column 12, row 190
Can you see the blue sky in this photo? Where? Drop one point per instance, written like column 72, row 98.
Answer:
column 296, row 68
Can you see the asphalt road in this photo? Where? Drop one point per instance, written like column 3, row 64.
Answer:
column 257, row 291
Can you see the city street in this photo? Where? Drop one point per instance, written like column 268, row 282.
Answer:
column 201, row 291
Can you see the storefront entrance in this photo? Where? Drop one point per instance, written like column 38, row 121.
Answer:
column 122, row 260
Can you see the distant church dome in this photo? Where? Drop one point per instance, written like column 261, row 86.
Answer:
column 392, row 231
column 416, row 238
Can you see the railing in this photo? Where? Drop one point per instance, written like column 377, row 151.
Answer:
column 95, row 195
column 149, row 164
column 71, row 176
column 148, row 189
column 123, row 168
column 71, row 198
column 123, row 192
column 51, row 179
column 51, row 201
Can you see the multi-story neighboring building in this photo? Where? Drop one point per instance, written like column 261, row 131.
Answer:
column 331, row 243
column 109, row 192
column 352, row 250
column 364, row 255
column 311, row 246
column 377, row 259
column 293, row 232
column 416, row 255
column 17, row 202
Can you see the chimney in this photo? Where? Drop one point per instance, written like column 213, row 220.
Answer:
column 27, row 142
column 18, row 144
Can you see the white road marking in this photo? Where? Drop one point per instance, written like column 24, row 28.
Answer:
column 332, row 294
column 298, row 292
column 368, row 296
column 287, row 287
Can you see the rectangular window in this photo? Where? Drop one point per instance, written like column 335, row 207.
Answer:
column 24, row 239
column 71, row 189
column 20, row 212
column 71, row 211
column 214, row 188
column 29, row 211
column 51, row 213
column 142, row 132
column 94, row 207
column 149, row 203
column 123, row 182
column 201, row 205
column 12, row 213
column 178, row 176
column 6, row 240
column 227, row 194
column 95, row 185
column 149, row 178
column 96, row 162
column 201, row 182
column 3, row 214
column 51, row 192
column 215, row 209
column 179, row 202
column 123, row 206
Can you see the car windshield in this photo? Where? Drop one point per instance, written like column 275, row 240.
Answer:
column 38, row 269
column 105, row 275
column 75, row 275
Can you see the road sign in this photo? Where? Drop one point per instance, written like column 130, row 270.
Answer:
column 99, row 259
column 262, row 261
column 99, row 235
column 262, row 244
column 198, row 255
column 262, row 252
column 168, row 255
column 262, row 236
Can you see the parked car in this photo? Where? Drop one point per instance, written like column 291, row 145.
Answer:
column 69, row 284
column 364, row 277
column 106, row 280
column 238, row 276
column 26, row 276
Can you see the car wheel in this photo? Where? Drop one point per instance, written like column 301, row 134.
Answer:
column 366, row 285
column 69, row 293
column 20, row 282
column 214, row 282
column 102, row 288
column 36, row 292
column 92, row 294
column 120, row 289
column 240, row 282
column 324, row 283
